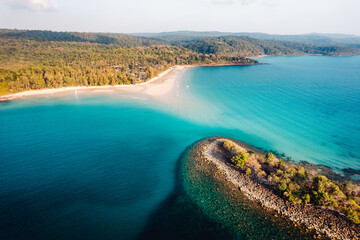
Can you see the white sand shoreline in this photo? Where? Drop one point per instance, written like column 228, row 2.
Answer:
column 157, row 86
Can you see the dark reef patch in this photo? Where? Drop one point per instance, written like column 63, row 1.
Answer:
column 203, row 207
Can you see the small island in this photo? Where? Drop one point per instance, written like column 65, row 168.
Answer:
column 300, row 192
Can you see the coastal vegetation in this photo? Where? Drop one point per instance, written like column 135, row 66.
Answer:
column 121, row 40
column 30, row 64
column 295, row 183
column 346, row 40
column 248, row 46
column 45, row 59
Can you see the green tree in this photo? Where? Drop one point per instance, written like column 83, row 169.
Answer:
column 352, row 215
column 37, row 82
column 150, row 72
column 240, row 159
column 282, row 186
column 250, row 152
column 4, row 88
column 269, row 156
column 306, row 198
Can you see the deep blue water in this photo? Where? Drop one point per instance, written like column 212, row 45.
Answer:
column 97, row 166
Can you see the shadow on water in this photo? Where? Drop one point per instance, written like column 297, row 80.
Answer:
column 203, row 207
column 177, row 217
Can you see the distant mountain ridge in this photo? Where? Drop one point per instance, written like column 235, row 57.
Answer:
column 347, row 40
column 123, row 40
column 211, row 42
column 34, row 59
column 248, row 47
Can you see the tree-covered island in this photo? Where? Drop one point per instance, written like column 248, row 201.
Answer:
column 310, row 195
column 295, row 183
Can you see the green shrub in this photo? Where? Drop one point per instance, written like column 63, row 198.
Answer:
column 272, row 164
column 334, row 189
column 355, row 204
column 352, row 215
column 250, row 152
column 300, row 177
column 240, row 159
column 293, row 198
column 282, row 186
column 281, row 163
column 248, row 171
column 269, row 156
column 273, row 178
column 262, row 174
column 290, row 172
column 280, row 173
column 228, row 145
column 306, row 198
column 348, row 187
column 293, row 186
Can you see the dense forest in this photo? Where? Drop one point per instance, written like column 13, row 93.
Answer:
column 29, row 64
column 118, row 39
column 31, row 59
column 319, row 39
column 247, row 46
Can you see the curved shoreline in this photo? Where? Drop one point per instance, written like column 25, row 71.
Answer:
column 325, row 221
column 157, row 86
column 166, row 79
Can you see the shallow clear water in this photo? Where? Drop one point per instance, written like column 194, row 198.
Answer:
column 305, row 107
column 98, row 166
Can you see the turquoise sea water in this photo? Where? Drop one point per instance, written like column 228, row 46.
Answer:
column 99, row 166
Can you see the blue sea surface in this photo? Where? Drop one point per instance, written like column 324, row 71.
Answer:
column 305, row 107
column 97, row 166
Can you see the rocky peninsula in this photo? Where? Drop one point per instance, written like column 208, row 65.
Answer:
column 279, row 186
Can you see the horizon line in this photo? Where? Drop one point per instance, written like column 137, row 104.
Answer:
column 174, row 31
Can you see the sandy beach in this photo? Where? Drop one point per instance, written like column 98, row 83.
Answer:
column 156, row 87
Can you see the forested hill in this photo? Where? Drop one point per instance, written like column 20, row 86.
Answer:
column 46, row 59
column 320, row 39
column 36, row 64
column 247, row 46
column 233, row 44
column 122, row 40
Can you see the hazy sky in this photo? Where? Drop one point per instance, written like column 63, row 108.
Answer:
column 271, row 16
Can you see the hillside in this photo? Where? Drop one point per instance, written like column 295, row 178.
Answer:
column 46, row 59
column 33, row 64
column 247, row 46
column 319, row 39
column 122, row 40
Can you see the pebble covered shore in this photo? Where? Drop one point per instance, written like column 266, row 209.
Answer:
column 325, row 221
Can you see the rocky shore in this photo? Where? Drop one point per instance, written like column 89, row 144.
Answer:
column 325, row 221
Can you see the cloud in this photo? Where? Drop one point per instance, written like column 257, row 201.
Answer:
column 233, row 1
column 33, row 5
column 246, row 2
column 271, row 2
